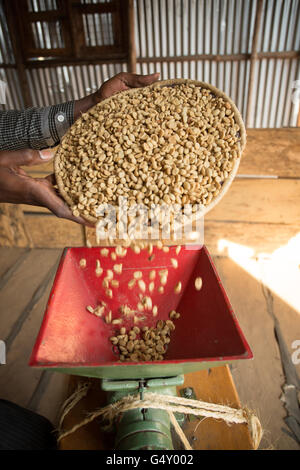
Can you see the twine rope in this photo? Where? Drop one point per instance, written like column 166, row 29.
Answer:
column 168, row 403
column 72, row 400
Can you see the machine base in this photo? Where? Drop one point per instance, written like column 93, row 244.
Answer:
column 143, row 428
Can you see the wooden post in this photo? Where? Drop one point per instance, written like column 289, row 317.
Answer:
column 131, row 42
column 75, row 29
column 13, row 35
column 253, row 59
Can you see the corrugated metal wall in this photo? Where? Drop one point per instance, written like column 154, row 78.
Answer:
column 13, row 97
column 51, row 85
column 280, row 32
column 178, row 29
column 183, row 28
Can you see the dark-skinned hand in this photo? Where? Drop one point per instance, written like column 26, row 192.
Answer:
column 18, row 188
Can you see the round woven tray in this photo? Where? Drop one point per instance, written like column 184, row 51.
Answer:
column 216, row 92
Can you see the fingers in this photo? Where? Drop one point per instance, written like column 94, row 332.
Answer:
column 134, row 81
column 51, row 178
column 45, row 195
column 14, row 188
column 61, row 210
column 46, row 154
column 122, row 82
column 25, row 157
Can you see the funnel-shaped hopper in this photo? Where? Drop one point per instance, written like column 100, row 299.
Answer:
column 75, row 341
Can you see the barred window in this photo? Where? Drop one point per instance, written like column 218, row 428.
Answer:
column 71, row 29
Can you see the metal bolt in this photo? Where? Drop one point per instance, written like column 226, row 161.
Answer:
column 188, row 392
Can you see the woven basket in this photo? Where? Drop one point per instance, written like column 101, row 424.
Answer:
column 216, row 91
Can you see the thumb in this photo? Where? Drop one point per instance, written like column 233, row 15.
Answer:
column 25, row 157
column 134, row 80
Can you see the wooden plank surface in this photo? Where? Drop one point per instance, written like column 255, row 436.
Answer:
column 273, row 201
column 8, row 257
column 214, row 386
column 12, row 226
column 260, row 213
column 268, row 152
column 23, row 301
column 262, row 238
column 263, row 215
column 289, row 320
column 272, row 152
column 262, row 201
column 17, row 379
column 28, row 209
column 257, row 213
column 259, row 381
column 50, row 400
column 50, row 231
column 18, row 292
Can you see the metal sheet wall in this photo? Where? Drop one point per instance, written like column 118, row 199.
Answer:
column 49, row 85
column 179, row 28
column 186, row 27
column 167, row 29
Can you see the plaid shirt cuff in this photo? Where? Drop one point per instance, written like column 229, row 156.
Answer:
column 35, row 128
column 55, row 122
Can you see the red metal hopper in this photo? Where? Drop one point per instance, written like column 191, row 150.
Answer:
column 75, row 341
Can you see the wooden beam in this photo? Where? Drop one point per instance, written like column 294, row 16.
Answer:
column 115, row 58
column 121, row 57
column 278, row 55
column 7, row 66
column 50, row 15
column 253, row 60
column 91, row 9
column 76, row 30
column 220, row 58
column 131, row 42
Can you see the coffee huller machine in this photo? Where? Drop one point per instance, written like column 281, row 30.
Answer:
column 74, row 341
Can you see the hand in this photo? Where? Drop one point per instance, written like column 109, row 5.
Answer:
column 17, row 187
column 123, row 81
column 120, row 82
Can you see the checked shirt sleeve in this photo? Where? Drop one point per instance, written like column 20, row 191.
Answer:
column 35, row 128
